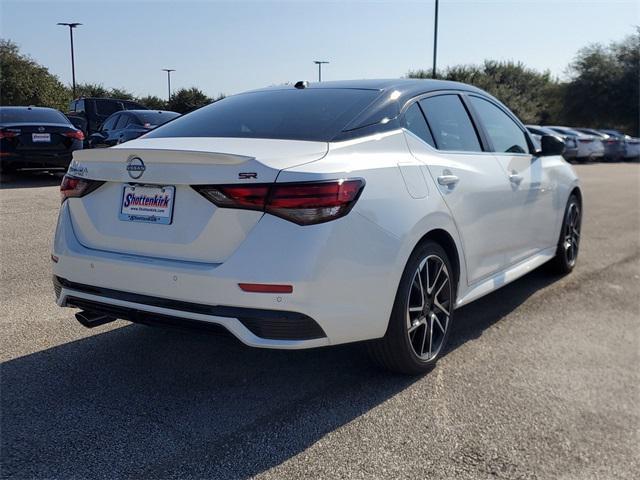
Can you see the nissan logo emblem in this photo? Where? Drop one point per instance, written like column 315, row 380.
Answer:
column 135, row 167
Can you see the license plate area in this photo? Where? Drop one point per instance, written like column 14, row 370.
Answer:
column 41, row 137
column 147, row 203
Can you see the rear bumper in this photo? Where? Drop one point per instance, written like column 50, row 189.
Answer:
column 265, row 324
column 340, row 288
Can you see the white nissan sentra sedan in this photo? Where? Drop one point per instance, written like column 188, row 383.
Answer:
column 317, row 214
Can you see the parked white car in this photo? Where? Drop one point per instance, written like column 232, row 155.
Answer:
column 317, row 214
column 590, row 147
column 570, row 143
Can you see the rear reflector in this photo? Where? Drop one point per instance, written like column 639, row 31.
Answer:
column 72, row 187
column 305, row 203
column 265, row 288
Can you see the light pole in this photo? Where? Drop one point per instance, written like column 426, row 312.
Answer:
column 435, row 42
column 73, row 65
column 168, row 70
column 320, row 63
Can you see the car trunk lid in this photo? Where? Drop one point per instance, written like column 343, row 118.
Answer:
column 197, row 231
column 40, row 137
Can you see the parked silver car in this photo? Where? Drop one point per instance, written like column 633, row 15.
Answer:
column 571, row 146
column 614, row 145
column 590, row 147
column 631, row 145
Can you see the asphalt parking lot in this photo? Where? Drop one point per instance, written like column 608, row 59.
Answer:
column 542, row 379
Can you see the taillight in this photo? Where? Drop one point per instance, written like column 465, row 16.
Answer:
column 7, row 134
column 77, row 134
column 72, row 187
column 305, row 203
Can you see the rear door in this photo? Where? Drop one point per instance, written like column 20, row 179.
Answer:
column 533, row 216
column 470, row 180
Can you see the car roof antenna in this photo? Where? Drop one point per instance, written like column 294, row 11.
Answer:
column 301, row 84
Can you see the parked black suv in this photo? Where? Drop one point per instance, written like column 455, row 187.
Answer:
column 88, row 113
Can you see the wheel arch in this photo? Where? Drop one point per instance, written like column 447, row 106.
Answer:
column 578, row 193
column 446, row 241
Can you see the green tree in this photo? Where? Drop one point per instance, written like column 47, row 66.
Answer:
column 153, row 102
column 24, row 82
column 90, row 90
column 188, row 99
column 527, row 92
column 121, row 94
column 604, row 86
column 99, row 90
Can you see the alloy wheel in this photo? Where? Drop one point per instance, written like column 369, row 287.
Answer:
column 571, row 241
column 429, row 307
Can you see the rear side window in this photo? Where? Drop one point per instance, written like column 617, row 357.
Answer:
column 316, row 114
column 450, row 124
column 505, row 135
column 415, row 123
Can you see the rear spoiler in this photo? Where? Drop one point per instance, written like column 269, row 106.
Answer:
column 159, row 156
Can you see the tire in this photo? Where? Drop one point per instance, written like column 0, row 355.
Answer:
column 416, row 338
column 569, row 242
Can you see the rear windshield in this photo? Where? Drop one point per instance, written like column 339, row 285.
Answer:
column 156, row 118
column 309, row 114
column 37, row 115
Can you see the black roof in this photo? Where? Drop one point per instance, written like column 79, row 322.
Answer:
column 407, row 87
column 404, row 85
column 394, row 93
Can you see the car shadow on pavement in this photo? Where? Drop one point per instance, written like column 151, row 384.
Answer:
column 151, row 403
column 31, row 179
column 473, row 319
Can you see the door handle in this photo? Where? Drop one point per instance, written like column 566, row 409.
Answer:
column 448, row 180
column 515, row 178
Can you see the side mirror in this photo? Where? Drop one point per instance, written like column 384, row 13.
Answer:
column 551, row 145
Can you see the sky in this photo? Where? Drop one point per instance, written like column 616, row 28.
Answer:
column 232, row 46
